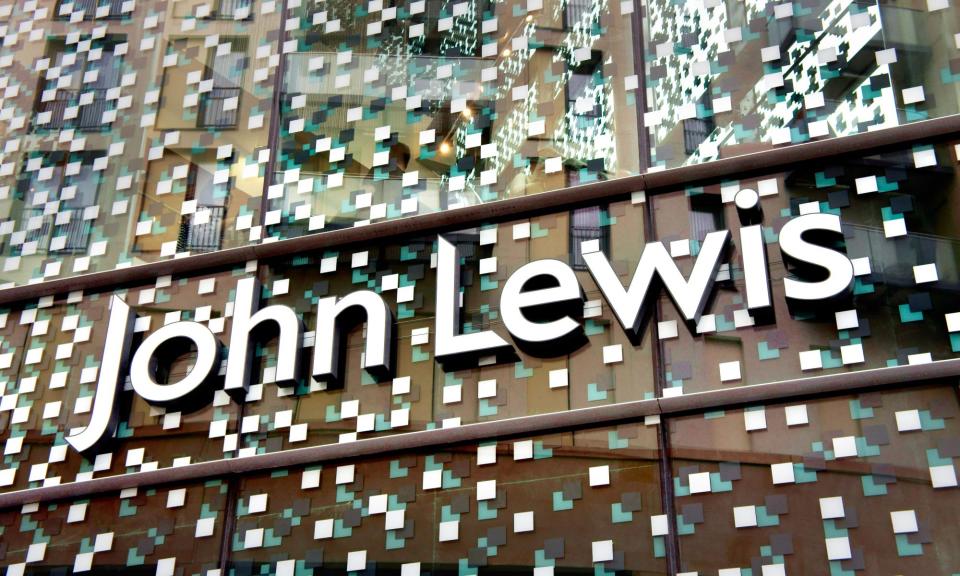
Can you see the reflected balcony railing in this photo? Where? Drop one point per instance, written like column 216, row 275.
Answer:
column 88, row 118
column 205, row 237
column 213, row 111
column 89, row 8
column 76, row 233
column 228, row 9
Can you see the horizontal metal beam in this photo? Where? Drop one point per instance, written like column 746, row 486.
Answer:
column 844, row 382
column 500, row 210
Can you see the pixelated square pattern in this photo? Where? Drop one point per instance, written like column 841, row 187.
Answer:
column 726, row 79
column 737, row 342
column 865, row 484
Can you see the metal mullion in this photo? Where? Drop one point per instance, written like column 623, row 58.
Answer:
column 273, row 138
column 672, row 545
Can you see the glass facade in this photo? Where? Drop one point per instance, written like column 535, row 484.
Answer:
column 447, row 319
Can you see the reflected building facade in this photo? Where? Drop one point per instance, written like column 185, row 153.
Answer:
column 164, row 152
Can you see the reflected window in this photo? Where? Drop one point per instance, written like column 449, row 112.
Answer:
column 233, row 10
column 587, row 224
column 696, row 131
column 581, row 88
column 58, row 193
column 202, row 231
column 75, row 10
column 219, row 104
column 575, row 9
column 706, row 215
column 75, row 92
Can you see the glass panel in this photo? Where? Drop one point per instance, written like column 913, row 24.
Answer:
column 604, row 369
column 147, row 531
column 898, row 213
column 118, row 101
column 52, row 357
column 852, row 484
column 58, row 346
column 392, row 111
column 560, row 504
column 728, row 77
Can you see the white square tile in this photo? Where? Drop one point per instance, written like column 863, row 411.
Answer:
column 953, row 321
column 659, row 525
column 895, row 227
column 599, row 475
column 782, row 473
column 452, row 394
column 432, row 479
column 523, row 450
column 745, row 516
column 699, row 482
column 925, row 273
column 176, row 498
column 253, row 538
column 486, row 389
column 796, row 415
column 286, row 568
column 845, row 447
column 852, row 354
column 904, row 521
column 755, row 419
column 401, row 386
column 559, row 378
column 523, row 522
column 908, row 420
column 345, row 474
column 838, row 548
column 356, row 560
column 831, row 508
column 449, row 531
column 847, row 320
column 378, row 503
column 486, row 490
column 773, row 570
column 613, row 354
column 602, row 551
column 258, row 503
column 205, row 527
column 487, row 454
column 943, row 476
column 166, row 566
column 667, row 329
column 323, row 529
column 810, row 360
column 730, row 371
column 394, row 520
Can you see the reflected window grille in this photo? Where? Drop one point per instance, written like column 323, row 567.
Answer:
column 584, row 77
column 76, row 185
column 585, row 225
column 220, row 106
column 696, row 131
column 203, row 230
column 67, row 8
column 80, row 105
column 706, row 215
column 218, row 109
column 234, row 9
column 574, row 11
column 202, row 237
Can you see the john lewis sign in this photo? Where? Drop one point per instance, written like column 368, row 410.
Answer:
column 541, row 305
